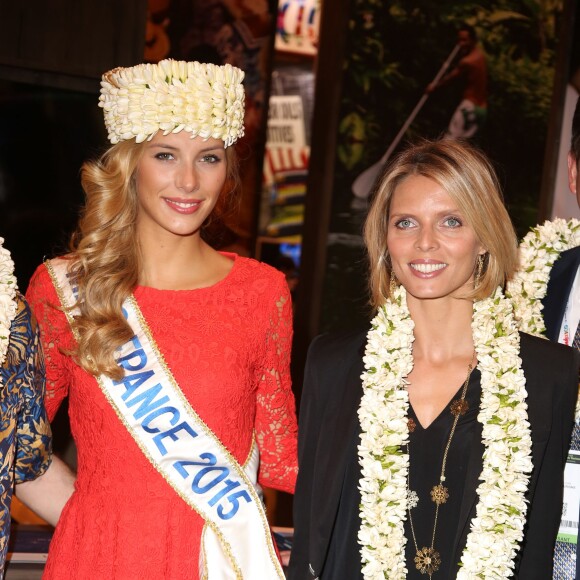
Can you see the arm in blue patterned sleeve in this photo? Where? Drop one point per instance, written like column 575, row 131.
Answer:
column 44, row 486
column 33, row 435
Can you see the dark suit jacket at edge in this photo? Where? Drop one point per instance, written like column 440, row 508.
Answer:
column 557, row 295
column 328, row 412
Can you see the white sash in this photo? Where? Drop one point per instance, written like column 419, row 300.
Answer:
column 236, row 541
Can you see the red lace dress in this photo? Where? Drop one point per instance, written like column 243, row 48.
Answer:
column 229, row 348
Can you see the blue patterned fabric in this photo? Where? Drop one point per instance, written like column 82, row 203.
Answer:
column 565, row 553
column 25, row 436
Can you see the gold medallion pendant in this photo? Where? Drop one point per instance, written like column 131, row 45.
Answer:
column 439, row 494
column 459, row 407
column 427, row 561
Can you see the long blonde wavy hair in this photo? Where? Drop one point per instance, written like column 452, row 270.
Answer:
column 468, row 177
column 106, row 256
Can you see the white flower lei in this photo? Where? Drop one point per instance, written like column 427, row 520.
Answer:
column 539, row 249
column 8, row 305
column 538, row 252
column 497, row 529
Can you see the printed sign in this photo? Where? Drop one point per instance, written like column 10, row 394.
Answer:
column 297, row 26
column 286, row 122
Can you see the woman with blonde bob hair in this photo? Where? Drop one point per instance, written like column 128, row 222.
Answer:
column 469, row 179
column 175, row 356
column 433, row 444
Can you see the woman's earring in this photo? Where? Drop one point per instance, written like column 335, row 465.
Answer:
column 392, row 283
column 478, row 269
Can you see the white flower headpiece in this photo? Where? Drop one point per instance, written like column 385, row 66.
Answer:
column 205, row 100
column 8, row 305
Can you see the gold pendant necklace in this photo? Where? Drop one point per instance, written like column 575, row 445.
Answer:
column 427, row 559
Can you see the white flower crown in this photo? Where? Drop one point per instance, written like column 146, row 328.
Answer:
column 205, row 100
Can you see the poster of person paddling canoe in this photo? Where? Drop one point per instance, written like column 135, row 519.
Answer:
column 479, row 71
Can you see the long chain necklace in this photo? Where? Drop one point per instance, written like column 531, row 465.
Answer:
column 427, row 559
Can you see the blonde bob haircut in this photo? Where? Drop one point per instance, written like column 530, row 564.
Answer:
column 468, row 177
column 105, row 254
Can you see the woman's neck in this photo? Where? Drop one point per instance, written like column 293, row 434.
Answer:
column 442, row 328
column 180, row 263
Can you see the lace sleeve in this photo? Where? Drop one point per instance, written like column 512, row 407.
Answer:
column 54, row 335
column 276, row 427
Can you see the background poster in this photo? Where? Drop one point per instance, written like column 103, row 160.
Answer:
column 394, row 50
column 563, row 203
column 297, row 26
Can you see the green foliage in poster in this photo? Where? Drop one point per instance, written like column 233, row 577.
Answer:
column 394, row 50
column 396, row 47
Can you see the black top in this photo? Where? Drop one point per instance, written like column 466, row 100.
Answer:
column 427, row 447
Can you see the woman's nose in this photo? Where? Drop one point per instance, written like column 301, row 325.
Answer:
column 426, row 239
column 187, row 178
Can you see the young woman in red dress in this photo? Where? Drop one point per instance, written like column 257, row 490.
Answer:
column 174, row 356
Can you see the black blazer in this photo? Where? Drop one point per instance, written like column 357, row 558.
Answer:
column 328, row 418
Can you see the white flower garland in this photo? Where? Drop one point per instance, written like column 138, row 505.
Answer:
column 497, row 529
column 8, row 305
column 538, row 252
column 383, row 416
column 539, row 249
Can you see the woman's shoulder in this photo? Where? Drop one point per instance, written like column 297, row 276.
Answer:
column 39, row 281
column 549, row 367
column 255, row 267
column 22, row 307
column 339, row 345
column 543, row 351
column 41, row 290
column 258, row 278
column 42, row 274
